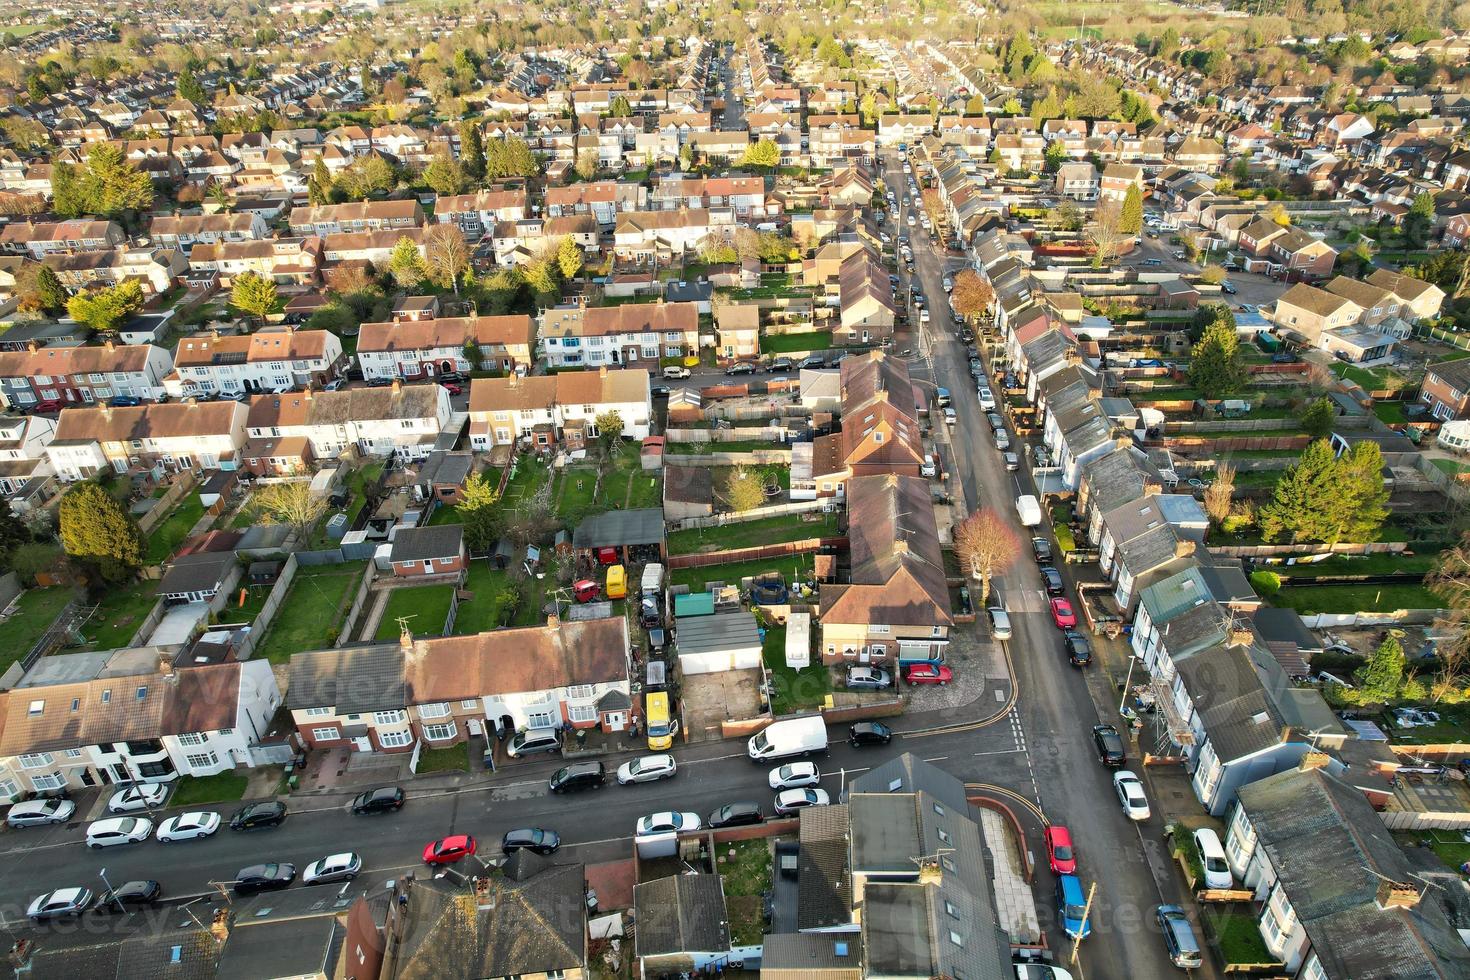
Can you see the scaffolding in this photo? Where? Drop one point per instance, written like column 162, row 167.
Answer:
column 1173, row 730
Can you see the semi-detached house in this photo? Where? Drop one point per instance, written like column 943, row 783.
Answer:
column 207, row 363
column 327, row 219
column 402, row 421
column 474, row 213
column 575, row 335
column 82, row 375
column 558, row 410
column 425, row 348
column 443, row 690
column 186, row 231
column 174, row 436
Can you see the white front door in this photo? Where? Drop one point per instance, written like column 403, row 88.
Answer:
column 474, row 726
column 362, row 743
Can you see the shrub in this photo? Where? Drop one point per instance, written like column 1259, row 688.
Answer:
column 1266, row 583
column 1065, row 542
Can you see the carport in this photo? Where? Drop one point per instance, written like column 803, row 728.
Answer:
column 627, row 535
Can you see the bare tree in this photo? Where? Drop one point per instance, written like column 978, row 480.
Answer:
column 986, row 545
column 972, row 295
column 446, row 255
column 1217, row 496
column 1450, row 580
column 743, row 490
column 292, row 504
column 1106, row 234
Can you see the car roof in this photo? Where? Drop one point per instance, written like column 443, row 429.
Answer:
column 113, row 823
column 35, row 806
column 1071, row 887
column 66, row 894
column 1059, row 833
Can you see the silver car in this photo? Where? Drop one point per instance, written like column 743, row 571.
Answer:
column 791, row 800
column 144, row 796
column 333, row 867
column 647, row 769
column 868, row 678
column 667, row 822
column 34, row 813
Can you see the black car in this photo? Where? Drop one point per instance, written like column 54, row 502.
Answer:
column 1079, row 649
column 1227, row 287
column 254, row 816
column 649, row 615
column 735, row 369
column 530, row 839
column 578, row 776
column 1052, row 579
column 736, row 815
column 659, row 391
column 264, row 878
column 128, row 896
column 869, row 733
column 453, row 377
column 813, row 361
column 1109, row 746
column 1041, row 551
column 780, row 365
column 380, row 382
column 384, row 799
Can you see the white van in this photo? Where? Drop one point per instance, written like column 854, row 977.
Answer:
column 1212, row 859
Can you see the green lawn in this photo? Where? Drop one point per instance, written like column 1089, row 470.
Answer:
column 1390, row 413
column 20, row 31
column 311, row 614
column 451, row 758
column 731, row 574
column 793, row 690
column 427, row 605
column 224, row 787
column 733, row 446
column 1360, row 565
column 236, row 612
column 1165, row 395
column 573, row 491
column 1238, row 935
column 119, row 615
column 357, row 483
column 1356, row 598
column 1372, row 379
column 36, row 610
column 1450, row 466
column 166, row 537
column 770, row 530
column 787, row 343
column 747, row 875
column 530, row 475
column 486, row 611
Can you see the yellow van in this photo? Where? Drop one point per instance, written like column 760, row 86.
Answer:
column 617, row 581
column 661, row 727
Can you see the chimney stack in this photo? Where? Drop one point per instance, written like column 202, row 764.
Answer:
column 219, row 926
column 405, row 637
column 165, row 664
column 553, row 621
column 1240, row 637
column 1313, row 760
column 1397, row 895
column 1183, row 548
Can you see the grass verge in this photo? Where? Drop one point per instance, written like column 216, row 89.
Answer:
column 223, row 787
column 451, row 758
column 171, row 532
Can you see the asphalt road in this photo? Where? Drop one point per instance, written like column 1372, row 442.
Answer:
column 1055, row 709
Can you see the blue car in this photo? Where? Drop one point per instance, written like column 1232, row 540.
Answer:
column 124, row 401
column 1072, row 907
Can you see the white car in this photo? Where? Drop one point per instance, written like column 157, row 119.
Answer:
column 119, row 830
column 949, row 416
column 1212, row 859
column 333, row 867
column 987, row 397
column 795, row 775
column 1130, row 795
column 791, row 800
column 63, row 901
column 188, row 826
column 647, row 769
column 667, row 822
column 141, row 797
column 34, row 813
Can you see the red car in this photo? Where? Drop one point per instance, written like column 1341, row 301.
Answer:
column 1062, row 614
column 929, row 674
column 1059, row 850
column 447, row 850
column 47, row 405
column 451, row 387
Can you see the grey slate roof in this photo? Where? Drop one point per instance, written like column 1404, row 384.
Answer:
column 445, row 468
column 812, row 954
column 681, row 914
column 1115, row 478
column 1230, row 700
column 1148, row 550
column 620, row 527
column 824, row 880
column 199, row 572
column 354, row 679
column 1328, row 848
column 424, row 543
column 130, row 949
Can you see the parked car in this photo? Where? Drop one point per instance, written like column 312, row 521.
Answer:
column 647, row 769
column 1130, row 795
column 950, row 418
column 813, row 361
column 868, row 678
column 1079, row 649
column 192, row 825
column 864, row 733
column 1212, row 859
column 34, row 813
column 1227, row 287
column 533, row 740
column 128, row 896
column 144, row 796
column 1109, row 745
column 1179, row 939
column 46, row 406
column 447, row 850
column 254, row 816
column 124, row 401
column 735, row 369
column 738, row 814
column 118, row 830
column 1000, row 623
column 928, row 673
column 666, row 822
column 659, row 391
column 336, row 384
column 780, row 365
column 533, row 839
column 674, row 373
column 1072, row 907
column 1051, row 579
column 1062, row 614
column 59, row 903
column 1002, row 439
column 384, row 799
column 997, row 423
column 790, row 800
column 987, row 397
column 333, row 867
column 795, row 775
column 1012, row 461
column 1041, row 551
column 1059, row 850
column 264, row 878
column 451, row 387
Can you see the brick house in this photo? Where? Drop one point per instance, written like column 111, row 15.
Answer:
column 82, row 375
column 880, row 433
column 424, row 348
column 434, row 550
column 559, row 409
column 1446, row 389
column 174, row 436
column 574, row 335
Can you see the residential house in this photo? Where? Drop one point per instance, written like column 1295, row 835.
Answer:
column 1417, row 299
column 1446, row 389
column 437, row 549
column 661, row 236
column 895, row 605
column 268, row 360
column 82, row 375
column 575, row 335
column 1116, row 179
column 25, row 471
column 326, row 219
column 155, row 269
column 442, row 690
column 184, row 232
column 398, row 420
column 481, row 210
column 738, row 331
column 424, row 348
column 1078, row 180
column 288, row 261
column 49, row 237
column 684, row 924
column 867, row 309
column 880, row 433
column 174, row 436
column 558, row 410
column 1311, row 312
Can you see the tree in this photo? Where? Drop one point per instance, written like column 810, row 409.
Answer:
column 446, row 255
column 1360, row 501
column 1067, row 215
column 1316, row 420
column 95, row 530
column 762, row 153
column 1219, row 492
column 406, row 265
column 320, row 185
column 479, row 514
column 1326, row 499
column 472, row 150
column 13, row 533
column 293, row 504
column 1381, row 677
column 569, row 257
column 1419, row 220
column 367, row 176
column 868, row 108
column 68, row 199
column 619, row 107
column 743, row 490
column 1212, row 274
column 1450, row 580
column 686, row 156
column 106, row 309
column 39, row 290
column 445, row 176
column 1130, row 221
column 609, row 428
column 972, row 296
column 986, row 545
column 1277, row 213
column 254, row 294
column 111, row 185
column 1217, row 367
column 1054, row 156
column 25, row 133
column 188, row 87
column 1106, row 236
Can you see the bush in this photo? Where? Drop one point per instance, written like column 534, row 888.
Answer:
column 1266, row 583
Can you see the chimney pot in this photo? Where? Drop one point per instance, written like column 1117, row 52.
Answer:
column 165, row 664
column 553, row 621
column 1313, row 760
column 1397, row 895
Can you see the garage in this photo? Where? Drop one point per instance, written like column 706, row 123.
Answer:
column 724, row 641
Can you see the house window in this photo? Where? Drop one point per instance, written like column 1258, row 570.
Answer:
column 73, row 753
column 581, row 712
column 579, row 692
column 325, row 734
column 202, row 760
column 388, row 717
column 318, row 712
column 9, row 789
column 394, row 740
column 433, row 710
column 438, row 733
column 35, row 760
column 50, row 781
column 877, row 627
column 469, row 705
column 191, row 738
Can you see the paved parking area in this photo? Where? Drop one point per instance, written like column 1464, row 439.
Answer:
column 726, row 695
